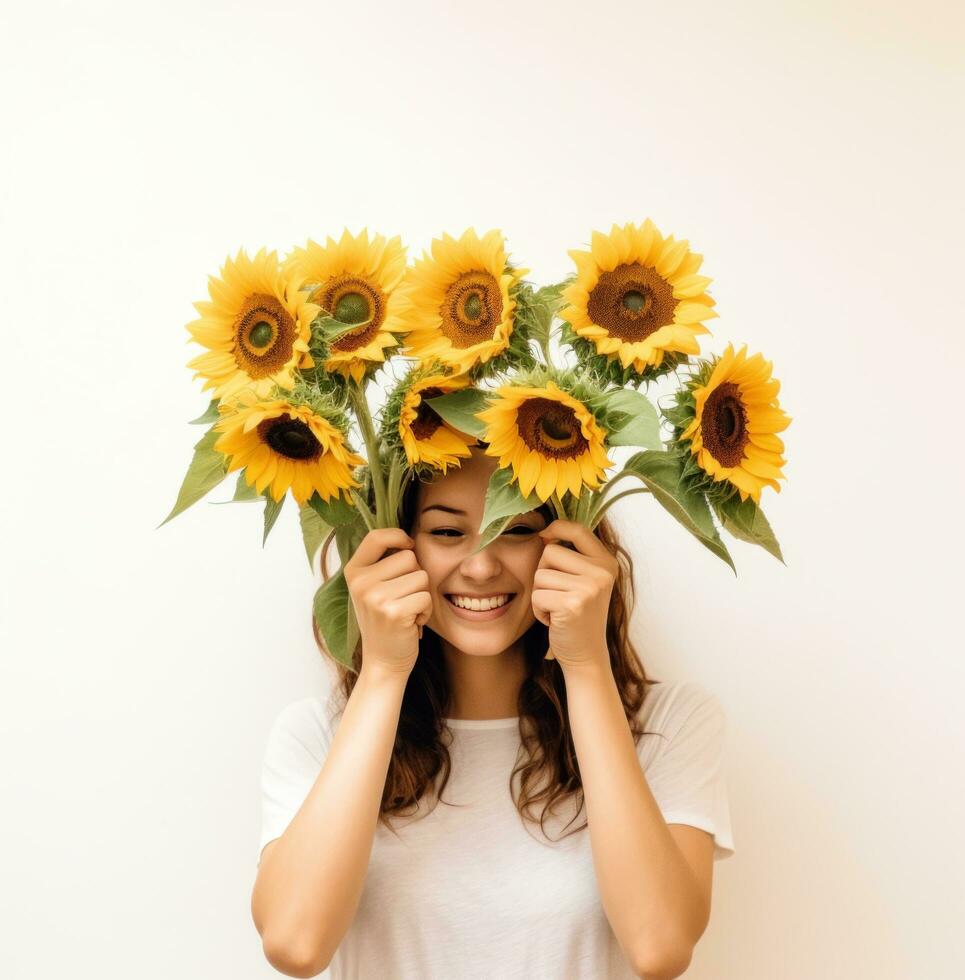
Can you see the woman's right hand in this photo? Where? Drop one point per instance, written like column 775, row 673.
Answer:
column 390, row 593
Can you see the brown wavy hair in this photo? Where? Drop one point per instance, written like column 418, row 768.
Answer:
column 547, row 767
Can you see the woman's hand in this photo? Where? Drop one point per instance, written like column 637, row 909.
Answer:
column 391, row 598
column 571, row 594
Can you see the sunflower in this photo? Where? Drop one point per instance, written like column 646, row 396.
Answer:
column 355, row 281
column 286, row 445
column 733, row 434
column 637, row 297
column 552, row 440
column 459, row 303
column 425, row 436
column 256, row 327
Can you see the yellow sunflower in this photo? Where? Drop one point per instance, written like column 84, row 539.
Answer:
column 355, row 280
column 457, row 303
column 733, row 433
column 426, row 437
column 283, row 445
column 256, row 327
column 637, row 296
column 551, row 439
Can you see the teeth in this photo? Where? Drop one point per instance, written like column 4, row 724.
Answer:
column 479, row 604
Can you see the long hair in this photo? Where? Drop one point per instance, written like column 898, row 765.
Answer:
column 547, row 766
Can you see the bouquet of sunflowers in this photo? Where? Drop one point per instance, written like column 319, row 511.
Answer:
column 292, row 345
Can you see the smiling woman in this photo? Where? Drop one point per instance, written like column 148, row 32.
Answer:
column 492, row 742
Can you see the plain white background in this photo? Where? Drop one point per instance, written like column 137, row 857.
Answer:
column 812, row 152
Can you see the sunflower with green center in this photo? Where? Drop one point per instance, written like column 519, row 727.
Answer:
column 552, row 440
column 637, row 299
column 355, row 280
column 425, row 436
column 733, row 433
column 459, row 304
column 257, row 327
column 285, row 445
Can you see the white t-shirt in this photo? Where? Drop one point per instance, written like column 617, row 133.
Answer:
column 469, row 892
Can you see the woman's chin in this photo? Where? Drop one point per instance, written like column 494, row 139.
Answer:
column 482, row 639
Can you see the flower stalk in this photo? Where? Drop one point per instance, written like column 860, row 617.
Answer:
column 360, row 406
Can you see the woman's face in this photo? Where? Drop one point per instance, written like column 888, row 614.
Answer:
column 444, row 542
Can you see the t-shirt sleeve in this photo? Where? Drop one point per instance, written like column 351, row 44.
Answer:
column 687, row 775
column 297, row 746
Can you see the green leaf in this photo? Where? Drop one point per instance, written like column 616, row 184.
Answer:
column 661, row 472
column 642, row 427
column 331, row 329
column 244, row 493
column 272, row 510
column 746, row 521
column 331, row 610
column 503, row 502
column 314, row 532
column 459, row 409
column 207, row 469
column 334, row 511
column 348, row 537
column 210, row 414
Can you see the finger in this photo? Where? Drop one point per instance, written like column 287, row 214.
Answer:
column 424, row 616
column 565, row 559
column 404, row 585
column 551, row 578
column 392, row 566
column 411, row 605
column 549, row 600
column 376, row 542
column 583, row 538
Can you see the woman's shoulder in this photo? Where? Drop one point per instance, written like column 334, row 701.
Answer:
column 668, row 704
column 311, row 720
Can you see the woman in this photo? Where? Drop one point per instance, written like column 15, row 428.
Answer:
column 401, row 834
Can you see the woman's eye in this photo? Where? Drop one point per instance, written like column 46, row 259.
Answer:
column 518, row 530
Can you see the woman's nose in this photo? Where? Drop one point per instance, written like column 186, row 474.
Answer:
column 482, row 565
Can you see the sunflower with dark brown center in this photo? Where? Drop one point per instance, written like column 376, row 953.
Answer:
column 733, row 434
column 357, row 282
column 458, row 304
column 284, row 445
column 551, row 439
column 256, row 327
column 638, row 297
column 425, row 436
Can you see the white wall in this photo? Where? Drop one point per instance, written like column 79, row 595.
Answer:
column 811, row 151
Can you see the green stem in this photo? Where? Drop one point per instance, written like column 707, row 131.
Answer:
column 361, row 406
column 611, row 482
column 601, row 495
column 558, row 507
column 610, row 501
column 363, row 509
column 399, row 476
column 583, row 506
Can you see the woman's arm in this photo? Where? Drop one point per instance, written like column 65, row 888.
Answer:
column 652, row 897
column 310, row 879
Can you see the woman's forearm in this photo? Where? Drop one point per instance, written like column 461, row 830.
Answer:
column 647, row 888
column 310, row 882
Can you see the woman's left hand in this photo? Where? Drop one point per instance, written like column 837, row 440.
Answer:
column 571, row 594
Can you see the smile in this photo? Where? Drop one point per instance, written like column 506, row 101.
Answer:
column 481, row 609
